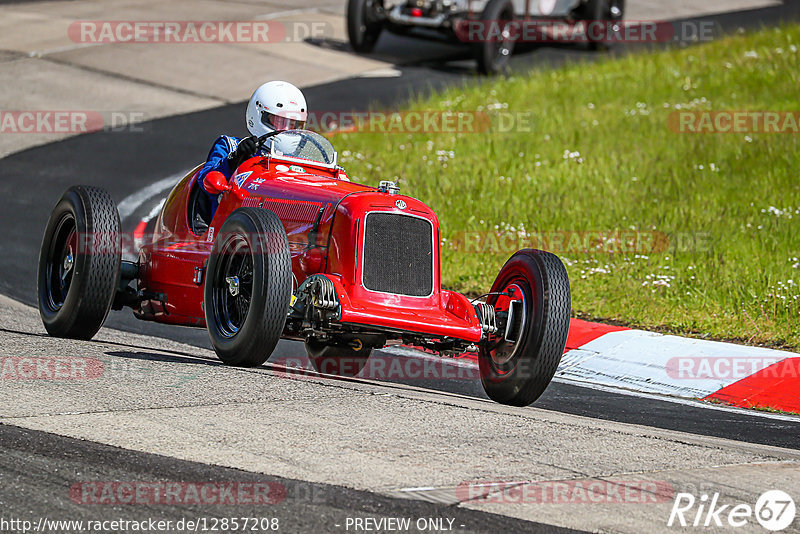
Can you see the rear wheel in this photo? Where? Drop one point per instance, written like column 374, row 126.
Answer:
column 518, row 363
column 364, row 25
column 493, row 54
column 248, row 287
column 79, row 263
column 345, row 357
column 608, row 13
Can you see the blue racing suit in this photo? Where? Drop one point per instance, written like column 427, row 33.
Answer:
column 218, row 160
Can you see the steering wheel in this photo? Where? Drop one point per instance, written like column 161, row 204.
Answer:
column 263, row 138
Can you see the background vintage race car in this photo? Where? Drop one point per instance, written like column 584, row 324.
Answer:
column 449, row 19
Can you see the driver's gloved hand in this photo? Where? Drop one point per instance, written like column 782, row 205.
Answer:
column 246, row 149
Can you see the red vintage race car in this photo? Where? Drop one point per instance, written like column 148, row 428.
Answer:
column 296, row 250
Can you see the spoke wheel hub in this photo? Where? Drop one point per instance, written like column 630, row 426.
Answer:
column 233, row 285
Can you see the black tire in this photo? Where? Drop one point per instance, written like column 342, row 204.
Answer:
column 339, row 358
column 363, row 24
column 245, row 325
column 493, row 56
column 518, row 373
column 606, row 11
column 79, row 263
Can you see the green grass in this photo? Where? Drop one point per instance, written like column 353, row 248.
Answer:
column 756, row 407
column 769, row 409
column 632, row 172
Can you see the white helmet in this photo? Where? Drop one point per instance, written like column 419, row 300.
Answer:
column 276, row 106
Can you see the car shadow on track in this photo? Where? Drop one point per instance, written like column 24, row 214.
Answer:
column 289, row 361
column 185, row 357
column 434, row 374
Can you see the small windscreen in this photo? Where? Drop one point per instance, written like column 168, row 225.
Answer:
column 303, row 144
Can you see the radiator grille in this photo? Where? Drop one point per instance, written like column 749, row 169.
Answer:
column 293, row 210
column 287, row 210
column 398, row 254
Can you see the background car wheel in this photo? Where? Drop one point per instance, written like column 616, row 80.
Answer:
column 248, row 287
column 605, row 11
column 518, row 364
column 343, row 358
column 79, row 263
column 494, row 55
column 363, row 24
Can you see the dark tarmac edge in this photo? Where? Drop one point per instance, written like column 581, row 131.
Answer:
column 37, row 470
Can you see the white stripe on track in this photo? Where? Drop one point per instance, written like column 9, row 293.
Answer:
column 288, row 13
column 155, row 211
column 132, row 202
column 651, row 363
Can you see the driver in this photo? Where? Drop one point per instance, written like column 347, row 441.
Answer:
column 274, row 106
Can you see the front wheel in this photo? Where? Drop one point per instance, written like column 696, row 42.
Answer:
column 608, row 14
column 79, row 263
column 248, row 287
column 493, row 53
column 363, row 24
column 518, row 362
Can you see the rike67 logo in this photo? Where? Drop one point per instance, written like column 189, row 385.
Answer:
column 774, row 510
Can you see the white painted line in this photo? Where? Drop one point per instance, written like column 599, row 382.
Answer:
column 386, row 72
column 132, row 202
column 155, row 211
column 66, row 48
column 138, row 240
column 287, row 13
column 650, row 362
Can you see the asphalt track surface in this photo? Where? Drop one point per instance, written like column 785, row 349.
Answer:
column 28, row 459
column 126, row 162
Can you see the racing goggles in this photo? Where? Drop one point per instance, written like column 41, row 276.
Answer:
column 279, row 123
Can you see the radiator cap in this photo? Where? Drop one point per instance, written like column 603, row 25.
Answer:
column 387, row 186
